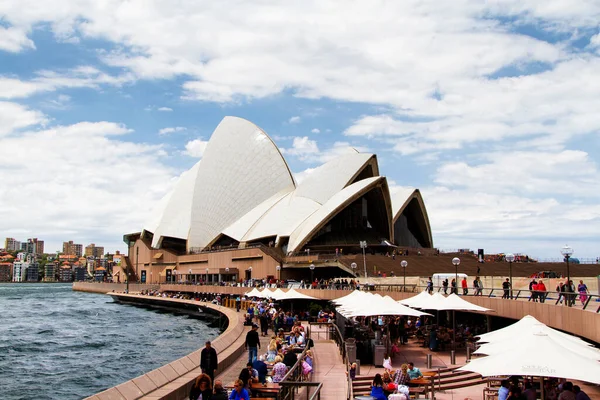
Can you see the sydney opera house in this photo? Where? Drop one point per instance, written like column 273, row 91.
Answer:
column 239, row 214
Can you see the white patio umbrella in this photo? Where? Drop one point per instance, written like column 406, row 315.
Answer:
column 278, row 294
column 266, row 293
column 415, row 301
column 253, row 293
column 453, row 302
column 293, row 294
column 354, row 294
column 368, row 304
column 525, row 323
column 536, row 354
column 499, row 347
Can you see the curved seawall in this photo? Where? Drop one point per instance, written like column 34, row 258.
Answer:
column 173, row 380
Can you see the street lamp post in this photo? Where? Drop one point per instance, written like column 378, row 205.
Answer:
column 127, row 282
column 567, row 252
column 510, row 258
column 278, row 268
column 151, row 281
column 456, row 262
column 363, row 246
column 175, row 275
column 312, row 272
column 206, row 277
column 227, row 273
column 404, row 264
column 190, row 275
column 353, row 266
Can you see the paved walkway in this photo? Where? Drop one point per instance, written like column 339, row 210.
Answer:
column 329, row 366
column 231, row 373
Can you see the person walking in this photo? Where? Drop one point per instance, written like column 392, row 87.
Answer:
column 465, row 286
column 541, row 289
column 445, row 285
column 583, row 292
column 430, row 286
column 209, row 361
column 252, row 343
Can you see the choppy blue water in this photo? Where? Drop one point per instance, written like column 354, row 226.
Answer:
column 59, row 344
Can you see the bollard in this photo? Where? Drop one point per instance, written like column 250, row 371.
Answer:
column 452, row 357
column 428, row 361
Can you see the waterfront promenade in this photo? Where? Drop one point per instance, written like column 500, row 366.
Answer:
column 329, row 368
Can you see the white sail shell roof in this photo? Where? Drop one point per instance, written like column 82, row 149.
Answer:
column 243, row 188
column 240, row 168
column 175, row 220
column 331, row 177
column 301, row 234
column 280, row 215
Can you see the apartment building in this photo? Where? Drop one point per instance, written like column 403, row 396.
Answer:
column 72, row 249
column 12, row 244
column 20, row 271
column 92, row 250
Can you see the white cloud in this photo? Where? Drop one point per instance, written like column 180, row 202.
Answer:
column 83, row 168
column 166, row 131
column 48, row 81
column 165, row 109
column 295, row 120
column 315, row 130
column 14, row 116
column 61, row 102
column 195, row 148
column 14, row 40
column 303, row 148
column 526, row 173
column 307, row 150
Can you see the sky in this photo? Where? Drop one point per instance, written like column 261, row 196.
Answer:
column 489, row 108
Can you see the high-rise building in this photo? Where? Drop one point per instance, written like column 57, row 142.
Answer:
column 50, row 272
column 33, row 272
column 11, row 244
column 65, row 274
column 19, row 271
column 81, row 274
column 34, row 246
column 92, row 250
column 72, row 249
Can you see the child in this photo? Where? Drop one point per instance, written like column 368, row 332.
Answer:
column 387, row 362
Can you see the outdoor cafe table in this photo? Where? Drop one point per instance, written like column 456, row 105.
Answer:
column 427, row 382
column 270, row 388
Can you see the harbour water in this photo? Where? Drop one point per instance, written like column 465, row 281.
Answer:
column 59, row 344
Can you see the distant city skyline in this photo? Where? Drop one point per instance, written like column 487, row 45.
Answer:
column 491, row 110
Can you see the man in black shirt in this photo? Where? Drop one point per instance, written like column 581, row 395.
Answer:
column 252, row 343
column 208, row 361
column 506, row 287
column 289, row 359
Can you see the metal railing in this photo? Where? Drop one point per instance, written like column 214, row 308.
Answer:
column 514, row 294
column 291, row 382
column 291, row 388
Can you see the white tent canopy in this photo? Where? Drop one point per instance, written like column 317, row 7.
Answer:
column 537, row 354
